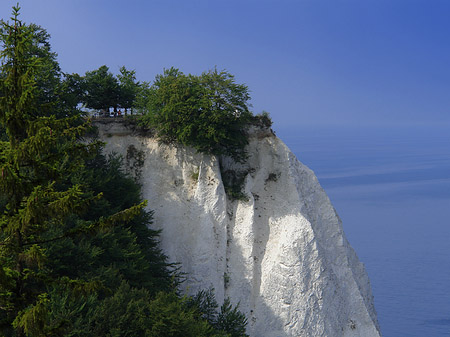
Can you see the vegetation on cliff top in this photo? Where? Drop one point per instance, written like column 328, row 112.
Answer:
column 208, row 112
column 76, row 255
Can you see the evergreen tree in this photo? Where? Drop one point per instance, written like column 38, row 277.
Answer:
column 48, row 74
column 38, row 155
column 228, row 320
column 53, row 88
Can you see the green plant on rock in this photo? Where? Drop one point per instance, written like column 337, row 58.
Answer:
column 263, row 120
column 195, row 174
column 233, row 181
column 135, row 160
column 208, row 112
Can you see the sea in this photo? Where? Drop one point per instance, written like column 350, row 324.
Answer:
column 391, row 188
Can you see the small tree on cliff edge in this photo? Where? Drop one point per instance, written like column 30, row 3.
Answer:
column 102, row 89
column 208, row 112
column 36, row 199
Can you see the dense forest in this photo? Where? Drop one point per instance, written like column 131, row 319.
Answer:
column 77, row 255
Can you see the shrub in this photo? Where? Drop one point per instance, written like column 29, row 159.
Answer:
column 233, row 182
column 263, row 119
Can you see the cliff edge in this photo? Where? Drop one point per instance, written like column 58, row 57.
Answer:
column 280, row 251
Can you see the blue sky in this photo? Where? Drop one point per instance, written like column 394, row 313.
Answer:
column 309, row 63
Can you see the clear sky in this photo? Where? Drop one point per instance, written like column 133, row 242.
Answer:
column 307, row 62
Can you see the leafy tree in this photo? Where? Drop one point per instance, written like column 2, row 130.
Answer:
column 208, row 112
column 40, row 206
column 144, row 91
column 102, row 89
column 128, row 87
column 71, row 92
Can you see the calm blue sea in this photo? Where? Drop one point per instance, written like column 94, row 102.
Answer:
column 391, row 187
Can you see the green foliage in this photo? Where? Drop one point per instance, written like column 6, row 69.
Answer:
column 95, row 269
column 263, row 120
column 17, row 80
column 143, row 94
column 128, row 87
column 77, row 257
column 233, row 182
column 102, row 89
column 32, row 320
column 133, row 312
column 53, row 89
column 205, row 302
column 71, row 91
column 229, row 320
column 42, row 205
column 208, row 112
column 195, row 174
column 48, row 73
column 131, row 251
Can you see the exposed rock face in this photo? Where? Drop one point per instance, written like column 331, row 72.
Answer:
column 282, row 253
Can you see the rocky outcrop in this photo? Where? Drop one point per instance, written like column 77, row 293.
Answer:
column 280, row 251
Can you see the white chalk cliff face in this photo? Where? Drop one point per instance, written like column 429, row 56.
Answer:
column 281, row 254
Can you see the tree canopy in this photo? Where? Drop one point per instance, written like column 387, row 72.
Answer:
column 103, row 90
column 128, row 87
column 208, row 112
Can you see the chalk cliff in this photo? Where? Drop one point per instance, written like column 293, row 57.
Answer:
column 281, row 253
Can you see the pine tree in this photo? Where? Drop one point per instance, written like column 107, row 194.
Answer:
column 38, row 204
